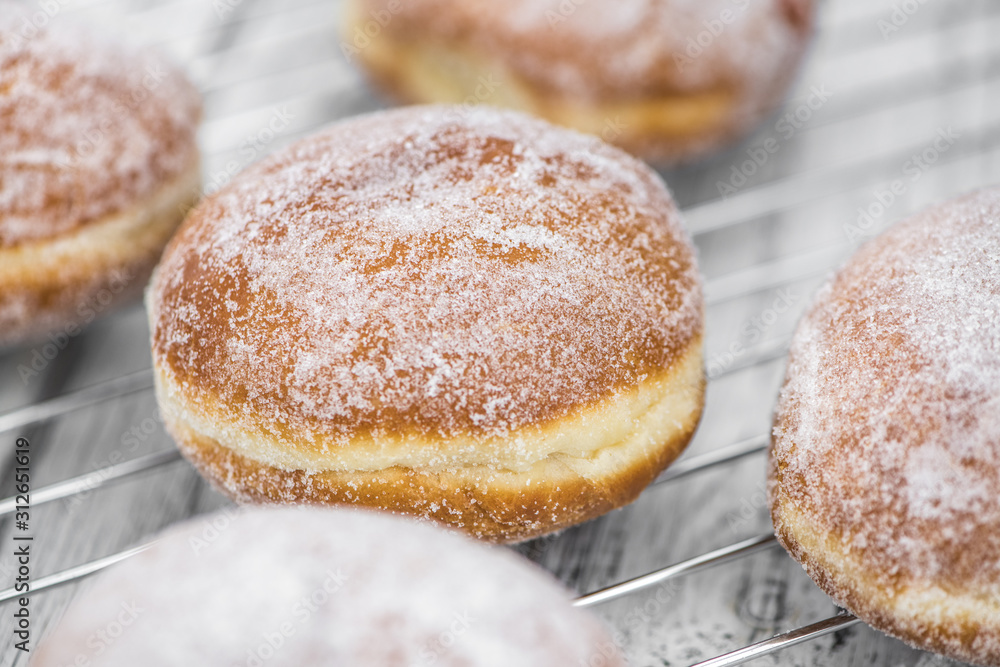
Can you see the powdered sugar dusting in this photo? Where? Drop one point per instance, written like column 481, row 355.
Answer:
column 889, row 422
column 87, row 128
column 593, row 49
column 429, row 269
column 312, row 587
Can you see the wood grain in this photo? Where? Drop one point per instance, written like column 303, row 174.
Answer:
column 889, row 95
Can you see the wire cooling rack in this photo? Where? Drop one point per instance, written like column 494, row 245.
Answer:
column 895, row 93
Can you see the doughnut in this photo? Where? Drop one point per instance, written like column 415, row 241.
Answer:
column 289, row 586
column 884, row 476
column 467, row 315
column 667, row 80
column 98, row 164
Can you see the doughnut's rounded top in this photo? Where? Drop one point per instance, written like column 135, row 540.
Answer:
column 295, row 586
column 432, row 270
column 88, row 128
column 619, row 49
column 888, row 428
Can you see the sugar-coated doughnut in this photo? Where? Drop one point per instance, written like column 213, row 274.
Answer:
column 669, row 80
column 287, row 587
column 98, row 164
column 885, row 466
column 470, row 315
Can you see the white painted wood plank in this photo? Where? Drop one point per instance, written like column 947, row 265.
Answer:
column 891, row 94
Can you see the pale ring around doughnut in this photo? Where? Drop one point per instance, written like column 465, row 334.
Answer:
column 470, row 316
column 98, row 166
column 667, row 80
column 885, row 465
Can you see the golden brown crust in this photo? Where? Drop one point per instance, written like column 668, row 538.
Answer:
column 98, row 164
column 451, row 292
column 669, row 81
column 491, row 261
column 59, row 285
column 885, row 466
column 83, row 137
column 488, row 505
column 962, row 624
column 491, row 504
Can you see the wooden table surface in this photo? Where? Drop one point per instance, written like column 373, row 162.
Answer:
column 882, row 80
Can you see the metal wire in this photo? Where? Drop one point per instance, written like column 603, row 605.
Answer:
column 105, row 476
column 744, row 207
column 142, row 380
column 122, row 471
column 75, row 400
column 728, row 454
column 782, row 641
column 739, row 284
column 94, row 480
column 710, row 559
column 73, row 573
